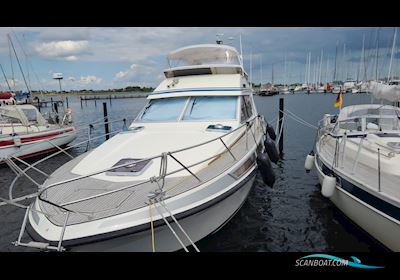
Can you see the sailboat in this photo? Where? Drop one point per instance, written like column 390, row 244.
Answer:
column 357, row 158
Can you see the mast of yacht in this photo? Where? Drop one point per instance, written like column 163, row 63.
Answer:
column 361, row 66
column 305, row 73
column 5, row 77
column 344, row 62
column 251, row 68
column 309, row 70
column 327, row 68
column 334, row 70
column 285, row 82
column 19, row 64
column 261, row 79
column 320, row 68
column 11, row 63
column 376, row 57
column 391, row 56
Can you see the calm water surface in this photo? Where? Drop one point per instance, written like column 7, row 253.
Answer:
column 292, row 216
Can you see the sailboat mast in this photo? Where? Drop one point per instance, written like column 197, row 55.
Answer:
column 4, row 74
column 19, row 64
column 261, row 80
column 285, row 73
column 251, row 69
column 376, row 57
column 327, row 67
column 309, row 69
column 11, row 63
column 334, row 70
column 320, row 68
column 344, row 62
column 305, row 73
column 361, row 61
column 391, row 55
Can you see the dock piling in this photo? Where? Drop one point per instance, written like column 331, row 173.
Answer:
column 106, row 124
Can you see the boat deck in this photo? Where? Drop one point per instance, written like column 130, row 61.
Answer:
column 135, row 197
column 384, row 184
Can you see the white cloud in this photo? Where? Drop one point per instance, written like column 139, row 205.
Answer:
column 62, row 49
column 89, row 80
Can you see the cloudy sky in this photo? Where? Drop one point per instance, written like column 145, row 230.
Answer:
column 102, row 58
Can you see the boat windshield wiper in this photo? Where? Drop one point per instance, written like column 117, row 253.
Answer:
column 194, row 102
column 146, row 108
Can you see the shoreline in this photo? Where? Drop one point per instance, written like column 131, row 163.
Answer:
column 138, row 94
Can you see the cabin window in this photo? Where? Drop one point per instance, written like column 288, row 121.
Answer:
column 246, row 108
column 30, row 114
column 164, row 109
column 211, row 108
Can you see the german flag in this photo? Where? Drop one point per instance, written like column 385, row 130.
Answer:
column 339, row 99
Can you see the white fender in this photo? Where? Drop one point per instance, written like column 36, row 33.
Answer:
column 328, row 186
column 308, row 164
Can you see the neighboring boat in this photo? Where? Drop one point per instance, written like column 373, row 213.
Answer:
column 321, row 89
column 357, row 158
column 336, row 89
column 190, row 155
column 349, row 85
column 7, row 98
column 25, row 133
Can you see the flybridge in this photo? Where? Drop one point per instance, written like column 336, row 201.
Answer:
column 202, row 85
column 204, row 59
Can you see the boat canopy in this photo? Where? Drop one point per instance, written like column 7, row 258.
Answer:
column 25, row 114
column 369, row 110
column 384, row 91
column 206, row 54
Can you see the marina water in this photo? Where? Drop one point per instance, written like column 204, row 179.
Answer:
column 292, row 216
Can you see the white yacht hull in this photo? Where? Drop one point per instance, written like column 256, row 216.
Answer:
column 197, row 226
column 382, row 227
column 44, row 144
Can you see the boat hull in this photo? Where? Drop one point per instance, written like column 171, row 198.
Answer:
column 197, row 226
column 43, row 144
column 380, row 226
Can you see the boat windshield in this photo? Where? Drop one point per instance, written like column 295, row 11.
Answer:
column 164, row 109
column 197, row 108
column 211, row 108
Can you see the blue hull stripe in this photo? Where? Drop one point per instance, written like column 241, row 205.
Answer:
column 377, row 203
column 200, row 90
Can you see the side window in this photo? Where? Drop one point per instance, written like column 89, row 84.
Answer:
column 246, row 108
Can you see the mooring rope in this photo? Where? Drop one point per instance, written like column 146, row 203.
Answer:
column 298, row 119
column 152, row 227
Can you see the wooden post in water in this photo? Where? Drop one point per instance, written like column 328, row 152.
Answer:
column 106, row 124
column 280, row 126
column 52, row 107
column 38, row 104
column 95, row 103
column 110, row 100
column 66, row 99
column 80, row 98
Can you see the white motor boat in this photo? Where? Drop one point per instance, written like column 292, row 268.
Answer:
column 357, row 160
column 179, row 173
column 24, row 132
